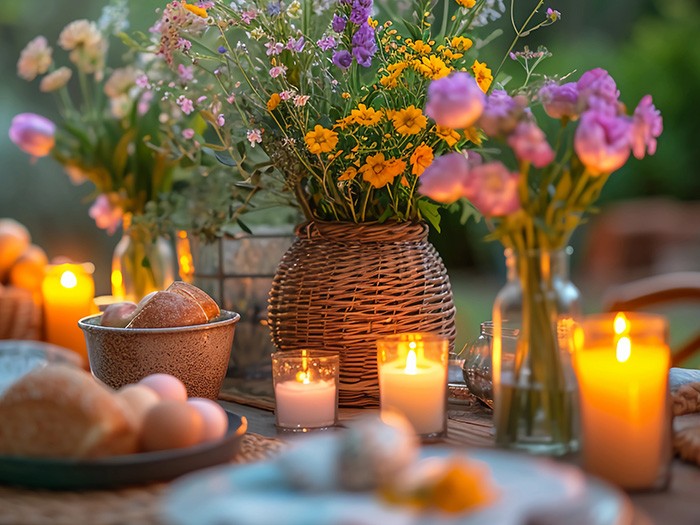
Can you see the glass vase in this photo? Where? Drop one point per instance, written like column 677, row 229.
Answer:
column 141, row 264
column 535, row 391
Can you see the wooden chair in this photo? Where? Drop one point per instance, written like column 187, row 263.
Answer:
column 670, row 289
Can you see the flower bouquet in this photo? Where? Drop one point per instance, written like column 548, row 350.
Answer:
column 113, row 133
column 534, row 197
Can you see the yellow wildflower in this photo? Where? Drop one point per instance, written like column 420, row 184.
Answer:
column 380, row 171
column 321, row 140
column 199, row 11
column 422, row 158
column 474, row 135
column 461, row 43
column 451, row 55
column 372, row 22
column 274, row 101
column 346, row 95
column 348, row 174
column 466, row 3
column 421, row 47
column 365, row 116
column 409, row 121
column 432, row 67
column 482, row 74
column 449, row 135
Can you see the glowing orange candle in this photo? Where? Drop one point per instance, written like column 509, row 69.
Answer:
column 68, row 291
column 622, row 363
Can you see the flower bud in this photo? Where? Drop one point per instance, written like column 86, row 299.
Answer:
column 33, row 134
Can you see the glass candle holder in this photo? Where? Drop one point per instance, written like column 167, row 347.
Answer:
column 412, row 371
column 622, row 362
column 306, row 390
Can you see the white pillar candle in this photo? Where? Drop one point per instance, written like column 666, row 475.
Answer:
column 413, row 380
column 305, row 404
column 623, row 381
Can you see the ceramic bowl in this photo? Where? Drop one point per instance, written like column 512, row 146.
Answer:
column 198, row 355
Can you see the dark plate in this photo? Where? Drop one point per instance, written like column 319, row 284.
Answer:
column 115, row 471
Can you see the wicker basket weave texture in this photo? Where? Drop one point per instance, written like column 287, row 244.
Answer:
column 341, row 286
column 20, row 315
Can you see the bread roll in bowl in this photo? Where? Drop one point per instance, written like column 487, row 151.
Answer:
column 61, row 411
column 208, row 305
column 168, row 309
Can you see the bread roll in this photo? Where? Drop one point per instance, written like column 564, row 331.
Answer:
column 209, row 306
column 61, row 411
column 168, row 309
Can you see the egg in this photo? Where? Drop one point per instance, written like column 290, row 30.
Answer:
column 138, row 399
column 213, row 416
column 171, row 424
column 166, row 386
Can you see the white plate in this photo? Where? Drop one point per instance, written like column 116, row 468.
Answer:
column 259, row 494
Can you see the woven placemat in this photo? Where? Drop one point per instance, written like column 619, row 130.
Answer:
column 128, row 506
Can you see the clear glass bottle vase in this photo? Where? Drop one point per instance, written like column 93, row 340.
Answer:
column 535, row 390
column 140, row 263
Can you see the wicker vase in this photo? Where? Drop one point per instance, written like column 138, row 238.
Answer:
column 340, row 286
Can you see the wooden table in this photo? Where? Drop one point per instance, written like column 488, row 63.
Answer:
column 679, row 504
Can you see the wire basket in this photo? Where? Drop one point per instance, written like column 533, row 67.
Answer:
column 343, row 285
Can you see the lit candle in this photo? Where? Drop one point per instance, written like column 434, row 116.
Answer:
column 68, row 291
column 306, row 389
column 622, row 364
column 412, row 371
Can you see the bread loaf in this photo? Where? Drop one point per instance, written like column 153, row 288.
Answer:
column 209, row 306
column 168, row 309
column 61, row 411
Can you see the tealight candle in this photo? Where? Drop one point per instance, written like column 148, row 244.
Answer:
column 306, row 389
column 622, row 363
column 68, row 291
column 412, row 371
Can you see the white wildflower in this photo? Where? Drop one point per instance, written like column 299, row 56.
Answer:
column 121, row 81
column 80, row 33
column 35, row 59
column 55, row 80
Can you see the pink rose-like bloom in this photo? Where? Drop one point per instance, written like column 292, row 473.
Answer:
column 107, row 216
column 455, row 101
column 493, row 189
column 602, row 141
column 597, row 90
column 647, row 125
column 501, row 113
column 33, row 134
column 560, row 101
column 445, row 179
column 530, row 143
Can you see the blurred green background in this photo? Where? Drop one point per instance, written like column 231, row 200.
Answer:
column 649, row 46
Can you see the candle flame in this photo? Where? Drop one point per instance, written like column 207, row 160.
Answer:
column 68, row 279
column 411, row 367
column 303, row 377
column 624, row 349
column 620, row 324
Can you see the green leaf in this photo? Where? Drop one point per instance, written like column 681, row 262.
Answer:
column 429, row 211
column 225, row 158
column 244, row 226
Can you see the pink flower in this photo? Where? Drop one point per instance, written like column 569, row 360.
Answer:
column 187, row 133
column 493, row 189
column 445, row 179
column 530, row 143
column 501, row 113
column 107, row 216
column 647, row 125
column 301, row 100
column 220, row 120
column 597, row 90
column 254, row 136
column 185, row 104
column 455, row 101
column 33, row 134
column 186, row 73
column 560, row 101
column 278, row 71
column 602, row 141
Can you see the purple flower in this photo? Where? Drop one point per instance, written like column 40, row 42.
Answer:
column 445, row 179
column 274, row 8
column 530, row 144
column 222, row 50
column 342, row 59
column 493, row 189
column 501, row 113
column 326, row 43
column 296, row 44
column 107, row 216
column 560, row 101
column 647, row 125
column 33, row 134
column 597, row 90
column 602, row 141
column 361, row 9
column 339, row 23
column 363, row 45
column 455, row 101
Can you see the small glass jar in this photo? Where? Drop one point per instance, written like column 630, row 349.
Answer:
column 475, row 358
